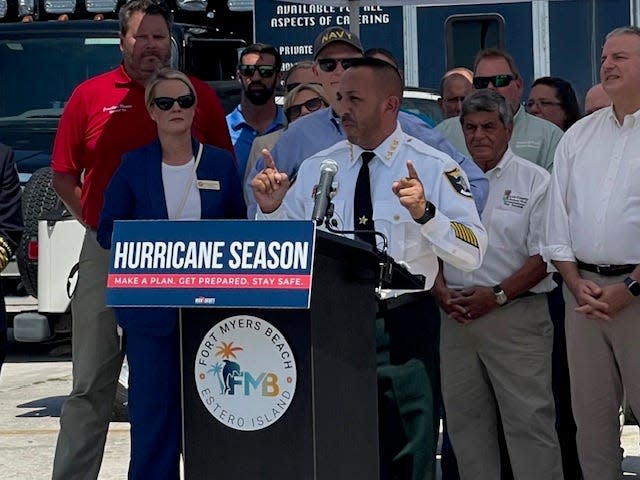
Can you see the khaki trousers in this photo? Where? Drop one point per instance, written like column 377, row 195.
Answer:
column 503, row 359
column 96, row 365
column 603, row 356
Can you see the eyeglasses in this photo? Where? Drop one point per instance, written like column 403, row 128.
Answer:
column 292, row 85
column 265, row 71
column 165, row 103
column 497, row 80
column 294, row 111
column 542, row 103
column 330, row 64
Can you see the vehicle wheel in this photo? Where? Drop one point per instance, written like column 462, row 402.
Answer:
column 38, row 198
column 120, row 404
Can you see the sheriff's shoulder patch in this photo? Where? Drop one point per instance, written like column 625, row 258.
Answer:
column 464, row 233
column 458, row 182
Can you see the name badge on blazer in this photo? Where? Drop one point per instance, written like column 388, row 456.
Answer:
column 208, row 184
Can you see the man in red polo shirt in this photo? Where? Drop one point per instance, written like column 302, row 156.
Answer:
column 105, row 117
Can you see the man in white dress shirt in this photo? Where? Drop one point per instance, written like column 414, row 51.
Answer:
column 420, row 198
column 496, row 335
column 593, row 226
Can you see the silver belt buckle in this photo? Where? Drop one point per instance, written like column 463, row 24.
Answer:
column 601, row 267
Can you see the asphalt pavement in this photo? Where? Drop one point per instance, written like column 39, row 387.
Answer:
column 34, row 383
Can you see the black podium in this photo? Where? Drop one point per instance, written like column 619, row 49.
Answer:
column 329, row 429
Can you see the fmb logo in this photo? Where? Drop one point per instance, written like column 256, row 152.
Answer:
column 245, row 373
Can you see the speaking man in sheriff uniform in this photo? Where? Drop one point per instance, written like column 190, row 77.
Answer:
column 415, row 195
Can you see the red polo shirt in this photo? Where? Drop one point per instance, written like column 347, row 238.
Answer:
column 106, row 117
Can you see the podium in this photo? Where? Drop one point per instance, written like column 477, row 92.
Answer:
column 289, row 393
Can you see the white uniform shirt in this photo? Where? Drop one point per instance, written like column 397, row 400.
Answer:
column 514, row 221
column 594, row 203
column 455, row 234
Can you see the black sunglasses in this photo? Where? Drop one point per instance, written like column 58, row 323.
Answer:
column 292, row 85
column 330, row 64
column 497, row 80
column 165, row 103
column 294, row 111
column 265, row 71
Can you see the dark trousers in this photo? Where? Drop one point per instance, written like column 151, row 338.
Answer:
column 565, row 424
column 409, row 419
column 3, row 346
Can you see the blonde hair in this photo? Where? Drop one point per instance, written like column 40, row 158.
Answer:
column 162, row 75
column 317, row 89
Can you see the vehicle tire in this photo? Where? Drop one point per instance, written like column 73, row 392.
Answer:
column 38, row 198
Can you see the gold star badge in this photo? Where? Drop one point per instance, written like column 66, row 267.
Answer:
column 363, row 220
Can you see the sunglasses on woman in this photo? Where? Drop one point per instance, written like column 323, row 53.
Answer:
column 166, row 103
column 294, row 111
column 265, row 71
column 330, row 64
column 497, row 80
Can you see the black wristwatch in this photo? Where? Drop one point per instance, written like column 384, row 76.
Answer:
column 429, row 213
column 501, row 297
column 633, row 286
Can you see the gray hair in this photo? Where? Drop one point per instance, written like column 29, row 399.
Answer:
column 628, row 29
column 487, row 100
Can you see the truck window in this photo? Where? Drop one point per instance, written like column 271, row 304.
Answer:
column 466, row 35
column 44, row 71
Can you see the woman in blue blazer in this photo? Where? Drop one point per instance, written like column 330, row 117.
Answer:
column 177, row 178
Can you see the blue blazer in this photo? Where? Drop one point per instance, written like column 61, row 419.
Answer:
column 136, row 192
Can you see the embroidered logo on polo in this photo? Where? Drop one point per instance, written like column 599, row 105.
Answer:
column 464, row 233
column 511, row 199
column 458, row 182
column 116, row 108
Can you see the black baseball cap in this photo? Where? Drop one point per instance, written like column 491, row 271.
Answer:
column 335, row 34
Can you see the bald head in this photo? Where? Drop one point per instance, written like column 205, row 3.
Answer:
column 596, row 99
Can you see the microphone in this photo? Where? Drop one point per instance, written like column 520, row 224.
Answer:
column 323, row 191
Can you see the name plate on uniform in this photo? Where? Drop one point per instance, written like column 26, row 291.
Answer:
column 211, row 263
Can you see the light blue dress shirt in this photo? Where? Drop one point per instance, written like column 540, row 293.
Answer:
column 242, row 134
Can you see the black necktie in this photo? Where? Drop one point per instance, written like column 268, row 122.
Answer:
column 362, row 207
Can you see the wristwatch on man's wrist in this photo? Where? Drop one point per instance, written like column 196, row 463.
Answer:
column 501, row 297
column 633, row 286
column 429, row 213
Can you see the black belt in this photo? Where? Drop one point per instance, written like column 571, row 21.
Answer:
column 607, row 270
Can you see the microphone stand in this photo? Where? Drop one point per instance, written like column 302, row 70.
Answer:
column 386, row 262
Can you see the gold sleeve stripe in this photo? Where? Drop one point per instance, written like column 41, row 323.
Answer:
column 5, row 245
column 464, row 233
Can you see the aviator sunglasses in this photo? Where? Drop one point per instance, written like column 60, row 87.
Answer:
column 165, row 103
column 497, row 80
column 265, row 71
column 330, row 64
column 294, row 111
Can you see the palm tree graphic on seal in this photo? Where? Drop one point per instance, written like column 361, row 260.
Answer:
column 230, row 369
